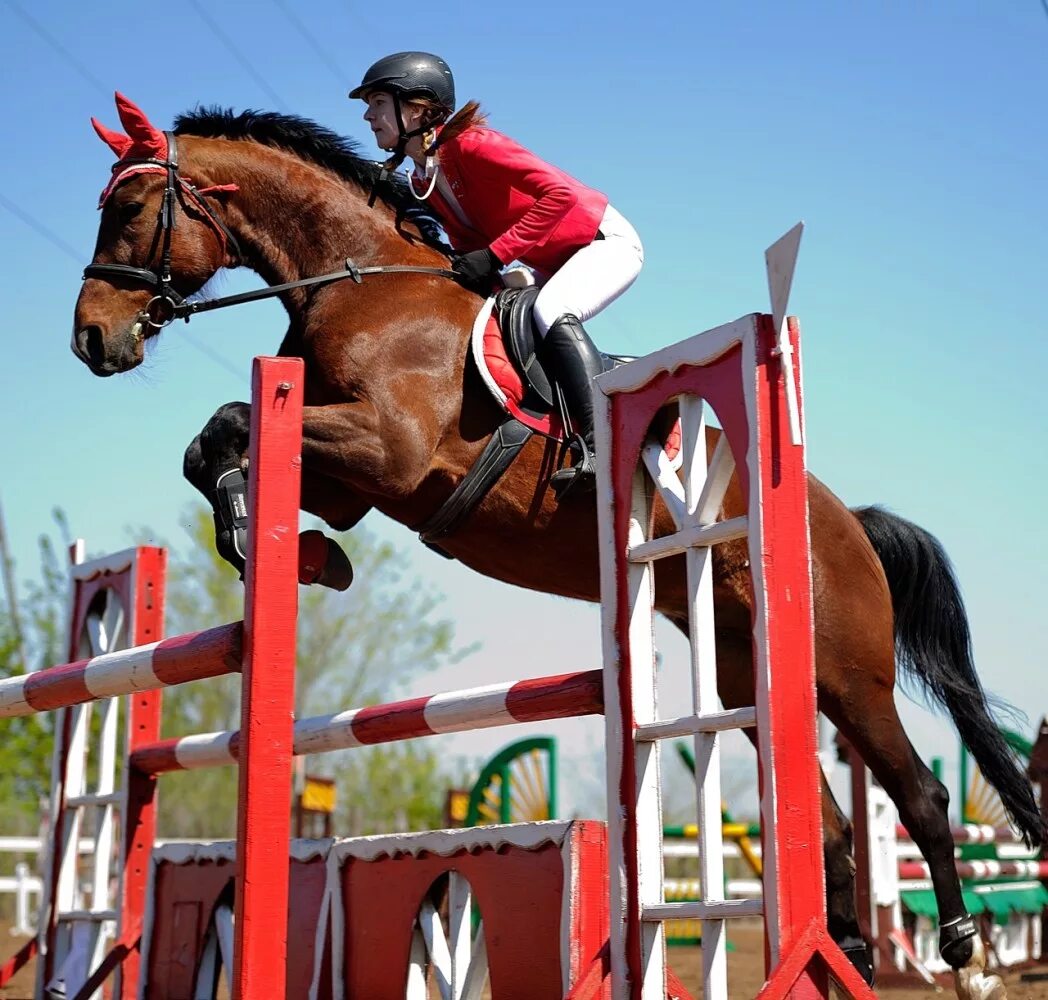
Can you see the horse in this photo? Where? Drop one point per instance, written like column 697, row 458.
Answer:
column 396, row 415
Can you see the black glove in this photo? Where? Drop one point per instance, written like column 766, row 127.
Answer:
column 477, row 270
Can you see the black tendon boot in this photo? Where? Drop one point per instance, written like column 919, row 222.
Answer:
column 576, row 361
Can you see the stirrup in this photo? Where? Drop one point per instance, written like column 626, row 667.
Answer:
column 580, row 477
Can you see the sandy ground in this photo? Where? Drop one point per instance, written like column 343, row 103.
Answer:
column 745, row 972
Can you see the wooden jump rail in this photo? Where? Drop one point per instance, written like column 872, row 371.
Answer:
column 557, row 697
column 972, row 833
column 191, row 657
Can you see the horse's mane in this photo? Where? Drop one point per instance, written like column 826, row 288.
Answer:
column 316, row 144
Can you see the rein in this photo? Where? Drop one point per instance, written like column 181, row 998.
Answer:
column 174, row 305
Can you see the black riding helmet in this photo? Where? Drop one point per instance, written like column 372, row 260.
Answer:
column 411, row 74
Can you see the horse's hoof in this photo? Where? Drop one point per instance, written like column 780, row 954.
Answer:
column 322, row 561
column 972, row 982
column 979, row 986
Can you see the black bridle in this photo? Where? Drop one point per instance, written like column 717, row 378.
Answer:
column 170, row 303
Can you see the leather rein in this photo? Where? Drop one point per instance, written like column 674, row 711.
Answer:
column 174, row 306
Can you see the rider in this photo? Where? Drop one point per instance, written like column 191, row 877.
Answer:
column 498, row 203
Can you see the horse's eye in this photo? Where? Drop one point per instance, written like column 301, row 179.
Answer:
column 128, row 211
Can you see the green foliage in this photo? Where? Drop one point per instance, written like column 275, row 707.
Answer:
column 25, row 751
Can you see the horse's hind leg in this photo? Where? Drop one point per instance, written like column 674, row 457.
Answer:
column 869, row 720
column 735, row 686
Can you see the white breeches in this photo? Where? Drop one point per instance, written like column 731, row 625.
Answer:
column 594, row 276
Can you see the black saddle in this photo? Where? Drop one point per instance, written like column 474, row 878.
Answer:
column 513, row 310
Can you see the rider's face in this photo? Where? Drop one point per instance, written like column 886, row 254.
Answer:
column 381, row 115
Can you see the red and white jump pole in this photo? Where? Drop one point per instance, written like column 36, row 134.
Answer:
column 535, row 700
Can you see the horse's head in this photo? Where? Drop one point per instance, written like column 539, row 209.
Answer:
column 159, row 240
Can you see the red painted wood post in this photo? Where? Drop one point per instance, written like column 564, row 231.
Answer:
column 143, row 726
column 791, row 808
column 270, row 611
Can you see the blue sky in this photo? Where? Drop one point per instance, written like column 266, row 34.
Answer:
column 911, row 138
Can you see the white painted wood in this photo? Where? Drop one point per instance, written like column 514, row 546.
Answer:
column 477, row 973
column 208, row 970
column 707, row 504
column 475, row 707
column 87, row 916
column 648, row 791
column 703, row 657
column 688, row 537
column 730, row 909
column 695, row 725
column 225, row 931
column 122, row 672
column 781, row 260
column 460, row 897
column 436, row 947
column 417, row 966
column 665, row 479
column 700, row 349
column 93, row 799
column 616, row 739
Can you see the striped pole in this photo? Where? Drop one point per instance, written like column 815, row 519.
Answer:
column 557, row 697
column 972, row 833
column 189, row 657
column 979, row 869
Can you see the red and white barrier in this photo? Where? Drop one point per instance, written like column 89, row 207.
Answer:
column 979, row 869
column 191, row 657
column 559, row 697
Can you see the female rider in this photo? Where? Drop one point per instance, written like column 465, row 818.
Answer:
column 498, row 203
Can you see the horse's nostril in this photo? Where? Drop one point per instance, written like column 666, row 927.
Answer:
column 89, row 345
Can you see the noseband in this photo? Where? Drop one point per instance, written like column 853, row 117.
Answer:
column 176, row 189
column 175, row 306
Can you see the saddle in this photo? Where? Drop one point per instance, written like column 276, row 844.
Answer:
column 507, row 350
column 509, row 335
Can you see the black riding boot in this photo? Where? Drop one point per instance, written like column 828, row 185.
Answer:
column 576, row 361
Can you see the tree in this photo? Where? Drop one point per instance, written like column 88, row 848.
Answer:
column 354, row 649
column 26, row 748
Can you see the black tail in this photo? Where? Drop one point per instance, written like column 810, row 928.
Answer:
column 933, row 647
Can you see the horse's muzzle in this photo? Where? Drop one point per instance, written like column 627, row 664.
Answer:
column 90, row 346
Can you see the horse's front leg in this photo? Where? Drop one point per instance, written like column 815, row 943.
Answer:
column 385, row 453
column 216, row 463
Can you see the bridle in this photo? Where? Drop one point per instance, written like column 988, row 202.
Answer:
column 170, row 303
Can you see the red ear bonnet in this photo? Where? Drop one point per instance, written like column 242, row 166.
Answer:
column 143, row 140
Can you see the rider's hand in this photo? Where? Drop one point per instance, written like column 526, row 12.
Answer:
column 477, row 270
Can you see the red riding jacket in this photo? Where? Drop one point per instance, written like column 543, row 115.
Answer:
column 520, row 206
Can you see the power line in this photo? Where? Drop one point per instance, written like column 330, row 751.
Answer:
column 312, row 42
column 245, row 64
column 60, row 48
column 40, row 229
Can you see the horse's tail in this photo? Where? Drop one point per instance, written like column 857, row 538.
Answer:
column 933, row 647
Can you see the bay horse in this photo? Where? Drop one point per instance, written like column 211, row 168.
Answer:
column 395, row 416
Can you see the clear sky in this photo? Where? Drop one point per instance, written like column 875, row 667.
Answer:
column 911, row 138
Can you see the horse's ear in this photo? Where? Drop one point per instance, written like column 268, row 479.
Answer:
column 147, row 138
column 116, row 141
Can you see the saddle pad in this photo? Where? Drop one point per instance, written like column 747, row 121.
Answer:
column 504, row 383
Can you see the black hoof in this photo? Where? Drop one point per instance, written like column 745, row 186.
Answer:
column 859, row 954
column 322, row 561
